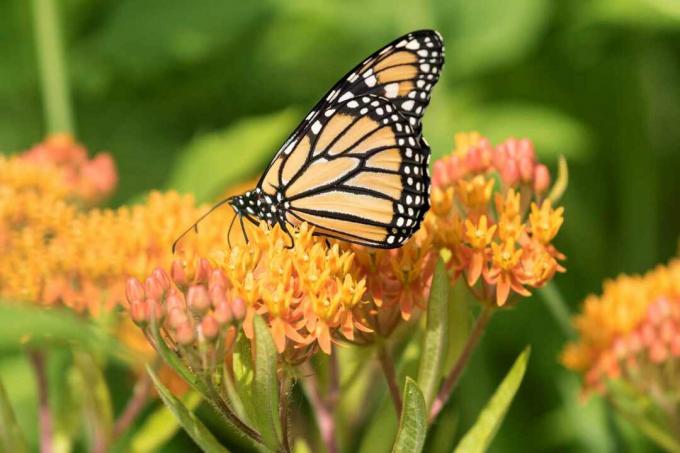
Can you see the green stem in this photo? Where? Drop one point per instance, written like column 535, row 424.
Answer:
column 390, row 376
column 558, row 308
column 457, row 371
column 52, row 67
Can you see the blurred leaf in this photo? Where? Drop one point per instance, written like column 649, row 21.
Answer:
column 483, row 34
column 562, row 181
column 214, row 161
column 244, row 374
column 434, row 340
column 191, row 424
column 24, row 324
column 413, row 422
column 478, row 438
column 161, row 426
column 553, row 132
column 265, row 386
column 664, row 14
column 145, row 38
column 98, row 413
column 11, row 437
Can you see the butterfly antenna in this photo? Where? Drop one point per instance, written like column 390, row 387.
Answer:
column 194, row 226
column 231, row 225
column 243, row 228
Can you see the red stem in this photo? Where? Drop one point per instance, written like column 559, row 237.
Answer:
column 44, row 414
column 391, row 376
column 135, row 404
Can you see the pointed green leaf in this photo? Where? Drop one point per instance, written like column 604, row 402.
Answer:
column 562, row 181
column 11, row 437
column 459, row 322
column 413, row 422
column 187, row 419
column 478, row 438
column 161, row 426
column 206, row 167
column 244, row 375
column 434, row 340
column 265, row 386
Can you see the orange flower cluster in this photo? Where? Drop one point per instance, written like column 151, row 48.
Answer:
column 56, row 253
column 305, row 293
column 490, row 215
column 632, row 332
column 90, row 180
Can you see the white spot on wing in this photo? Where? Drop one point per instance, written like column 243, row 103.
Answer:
column 407, row 105
column 392, row 90
column 413, row 45
column 346, row 95
column 316, row 127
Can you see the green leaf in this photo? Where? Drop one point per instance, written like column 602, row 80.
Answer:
column 459, row 322
column 413, row 422
column 562, row 181
column 214, row 161
column 187, row 419
column 96, row 398
column 11, row 436
column 434, row 340
column 479, row 437
column 265, row 386
column 25, row 323
column 244, row 375
column 161, row 426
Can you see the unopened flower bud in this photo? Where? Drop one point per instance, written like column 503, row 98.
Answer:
column 210, row 327
column 161, row 277
column 177, row 317
column 138, row 311
column 185, row 334
column 238, row 308
column 222, row 312
column 217, row 279
column 510, row 172
column 175, row 299
column 178, row 273
column 134, row 291
column 198, row 300
column 526, row 169
column 154, row 310
column 541, row 178
column 202, row 271
column 153, row 287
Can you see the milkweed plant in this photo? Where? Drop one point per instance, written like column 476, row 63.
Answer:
column 292, row 341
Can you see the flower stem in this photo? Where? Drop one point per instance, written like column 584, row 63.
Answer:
column 323, row 411
column 456, row 372
column 44, row 413
column 52, row 66
column 391, row 376
column 284, row 408
column 140, row 396
column 557, row 307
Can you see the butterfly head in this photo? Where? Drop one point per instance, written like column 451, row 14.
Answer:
column 256, row 205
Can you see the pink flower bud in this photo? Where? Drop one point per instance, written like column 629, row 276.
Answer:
column 202, row 271
column 525, row 150
column 175, row 299
column 185, row 334
column 526, row 169
column 439, row 173
column 217, row 279
column 541, row 178
column 223, row 313
column 178, row 274
column 134, row 291
column 153, row 287
column 217, row 295
column 210, row 327
column 161, row 277
column 658, row 352
column 198, row 300
column 177, row 317
column 238, row 308
column 154, row 310
column 138, row 312
column 473, row 160
column 675, row 346
column 510, row 173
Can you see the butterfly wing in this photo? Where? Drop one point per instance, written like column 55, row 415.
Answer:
column 357, row 166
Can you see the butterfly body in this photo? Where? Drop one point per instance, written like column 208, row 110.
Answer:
column 356, row 168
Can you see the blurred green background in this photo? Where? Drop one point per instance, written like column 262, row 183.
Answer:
column 173, row 88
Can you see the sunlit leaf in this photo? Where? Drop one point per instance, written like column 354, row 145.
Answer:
column 187, row 419
column 214, row 161
column 161, row 426
column 265, row 386
column 11, row 437
column 561, row 182
column 434, row 341
column 479, row 437
column 459, row 321
column 413, row 422
column 244, row 374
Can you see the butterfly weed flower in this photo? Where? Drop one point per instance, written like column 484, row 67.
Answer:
column 491, row 216
column 628, row 348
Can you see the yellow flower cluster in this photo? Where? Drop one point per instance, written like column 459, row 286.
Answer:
column 490, row 215
column 306, row 293
column 631, row 331
column 57, row 253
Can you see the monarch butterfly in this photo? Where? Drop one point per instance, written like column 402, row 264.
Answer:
column 356, row 168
